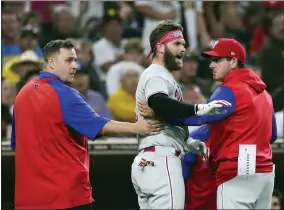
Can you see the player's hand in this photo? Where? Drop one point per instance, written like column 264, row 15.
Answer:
column 144, row 109
column 148, row 127
column 212, row 108
column 197, row 147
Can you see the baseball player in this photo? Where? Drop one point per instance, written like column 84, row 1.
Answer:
column 240, row 151
column 156, row 170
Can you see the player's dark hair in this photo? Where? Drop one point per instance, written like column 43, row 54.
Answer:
column 161, row 29
column 54, row 46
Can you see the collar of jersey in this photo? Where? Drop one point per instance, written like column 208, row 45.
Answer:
column 45, row 75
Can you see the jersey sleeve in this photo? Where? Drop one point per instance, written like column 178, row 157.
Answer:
column 156, row 85
column 78, row 115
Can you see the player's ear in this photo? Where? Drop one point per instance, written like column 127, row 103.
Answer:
column 161, row 49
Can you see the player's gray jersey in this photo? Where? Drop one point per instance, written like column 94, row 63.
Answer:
column 156, row 79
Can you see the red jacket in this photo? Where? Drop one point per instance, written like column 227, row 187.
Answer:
column 250, row 120
column 250, row 123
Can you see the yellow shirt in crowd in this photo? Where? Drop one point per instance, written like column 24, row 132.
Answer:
column 122, row 105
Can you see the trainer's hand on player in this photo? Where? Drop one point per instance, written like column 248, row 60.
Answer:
column 148, row 127
column 144, row 109
column 197, row 147
column 212, row 108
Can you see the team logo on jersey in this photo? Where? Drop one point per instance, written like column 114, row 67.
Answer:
column 178, row 96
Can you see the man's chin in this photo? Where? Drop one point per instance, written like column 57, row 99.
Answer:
column 69, row 79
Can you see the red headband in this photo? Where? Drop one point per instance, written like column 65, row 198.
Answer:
column 170, row 36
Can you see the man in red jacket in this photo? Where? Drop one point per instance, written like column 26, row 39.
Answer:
column 240, row 151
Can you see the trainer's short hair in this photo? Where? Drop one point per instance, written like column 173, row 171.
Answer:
column 161, row 29
column 54, row 46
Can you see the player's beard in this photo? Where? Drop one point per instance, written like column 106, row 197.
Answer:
column 170, row 60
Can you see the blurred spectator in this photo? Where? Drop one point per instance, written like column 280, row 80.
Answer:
column 188, row 73
column 192, row 94
column 224, row 19
column 17, row 68
column 277, row 200
column 32, row 19
column 271, row 57
column 193, row 22
column 85, row 54
column 153, row 12
column 84, row 10
column 45, row 8
column 29, row 40
column 133, row 21
column 9, row 92
column 110, row 46
column 10, row 35
column 122, row 102
column 81, row 83
column 17, row 7
column 132, row 59
column 63, row 25
column 261, row 32
column 8, row 95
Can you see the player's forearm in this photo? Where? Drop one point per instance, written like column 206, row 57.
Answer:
column 166, row 107
column 115, row 128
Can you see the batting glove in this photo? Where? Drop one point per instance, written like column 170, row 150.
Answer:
column 212, row 108
column 197, row 147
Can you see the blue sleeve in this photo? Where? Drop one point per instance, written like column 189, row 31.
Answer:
column 13, row 135
column 202, row 133
column 78, row 115
column 274, row 129
column 221, row 93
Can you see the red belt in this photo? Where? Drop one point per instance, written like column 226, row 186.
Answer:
column 153, row 149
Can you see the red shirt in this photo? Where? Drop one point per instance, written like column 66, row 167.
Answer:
column 201, row 190
column 250, row 123
column 51, row 154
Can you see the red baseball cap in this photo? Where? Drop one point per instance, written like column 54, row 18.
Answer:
column 227, row 48
column 274, row 4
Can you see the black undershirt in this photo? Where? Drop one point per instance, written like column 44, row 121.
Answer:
column 166, row 107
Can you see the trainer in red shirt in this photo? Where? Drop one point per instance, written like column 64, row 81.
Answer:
column 239, row 140
column 51, row 124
